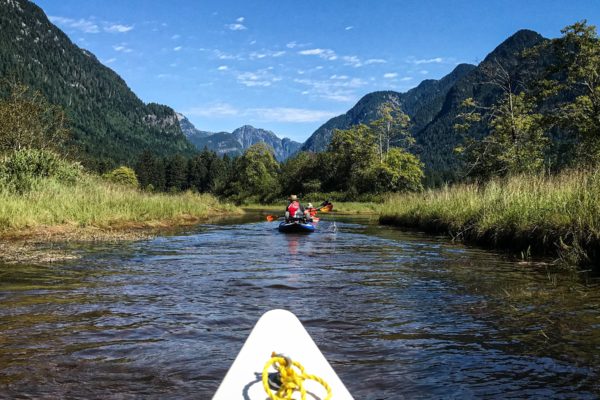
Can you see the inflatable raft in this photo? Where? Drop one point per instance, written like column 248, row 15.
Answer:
column 296, row 227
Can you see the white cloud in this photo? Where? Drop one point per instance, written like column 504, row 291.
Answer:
column 178, row 48
column 265, row 53
column 390, row 75
column 291, row 45
column 256, row 55
column 175, row 37
column 285, row 114
column 353, row 61
column 89, row 25
column 349, row 28
column 424, row 72
column 223, row 68
column 235, row 27
column 342, row 90
column 122, row 48
column 326, row 54
column 341, row 77
column 240, row 19
column 217, row 110
column 375, row 61
column 83, row 25
column 261, row 78
column 428, row 61
column 110, row 61
column 221, row 55
column 406, row 78
column 276, row 114
column 118, row 28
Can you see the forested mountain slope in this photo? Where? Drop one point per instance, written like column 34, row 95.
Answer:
column 110, row 124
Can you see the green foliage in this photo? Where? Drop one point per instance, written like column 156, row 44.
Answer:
column 391, row 128
column 176, row 173
column 573, row 82
column 301, row 173
column 29, row 121
column 353, row 151
column 21, row 170
column 400, row 171
column 150, row 170
column 364, row 162
column 515, row 144
column 123, row 176
column 256, row 175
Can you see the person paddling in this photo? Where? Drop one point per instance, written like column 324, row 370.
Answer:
column 294, row 211
column 311, row 211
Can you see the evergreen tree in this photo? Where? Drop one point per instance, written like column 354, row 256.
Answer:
column 176, row 173
column 198, row 173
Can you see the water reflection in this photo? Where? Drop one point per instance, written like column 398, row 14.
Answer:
column 399, row 315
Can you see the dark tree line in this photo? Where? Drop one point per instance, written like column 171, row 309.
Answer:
column 204, row 172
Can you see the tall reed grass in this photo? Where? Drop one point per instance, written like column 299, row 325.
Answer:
column 92, row 201
column 556, row 215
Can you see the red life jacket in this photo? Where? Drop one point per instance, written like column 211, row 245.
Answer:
column 293, row 207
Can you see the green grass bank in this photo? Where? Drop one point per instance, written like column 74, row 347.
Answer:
column 92, row 202
column 556, row 215
column 42, row 195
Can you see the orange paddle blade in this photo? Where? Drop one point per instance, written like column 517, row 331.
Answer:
column 271, row 218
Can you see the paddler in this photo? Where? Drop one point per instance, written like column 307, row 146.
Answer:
column 294, row 210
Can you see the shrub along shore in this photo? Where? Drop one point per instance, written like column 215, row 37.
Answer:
column 557, row 215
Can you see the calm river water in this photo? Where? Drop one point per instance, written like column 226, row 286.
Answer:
column 399, row 315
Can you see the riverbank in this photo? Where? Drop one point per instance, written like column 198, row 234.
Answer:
column 557, row 216
column 92, row 209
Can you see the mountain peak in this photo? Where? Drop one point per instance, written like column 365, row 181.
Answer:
column 515, row 44
column 239, row 140
column 245, row 127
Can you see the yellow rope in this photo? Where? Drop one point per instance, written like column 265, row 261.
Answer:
column 291, row 380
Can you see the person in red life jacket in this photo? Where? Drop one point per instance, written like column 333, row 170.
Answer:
column 311, row 210
column 294, row 211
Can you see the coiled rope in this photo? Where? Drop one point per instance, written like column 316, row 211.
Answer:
column 292, row 376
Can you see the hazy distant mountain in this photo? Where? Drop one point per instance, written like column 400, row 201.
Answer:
column 238, row 141
column 434, row 105
column 110, row 123
column 188, row 129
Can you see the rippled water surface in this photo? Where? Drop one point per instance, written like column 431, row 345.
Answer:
column 399, row 315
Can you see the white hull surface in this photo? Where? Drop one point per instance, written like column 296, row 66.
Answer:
column 281, row 332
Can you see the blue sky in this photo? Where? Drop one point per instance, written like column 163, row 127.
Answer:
column 290, row 65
